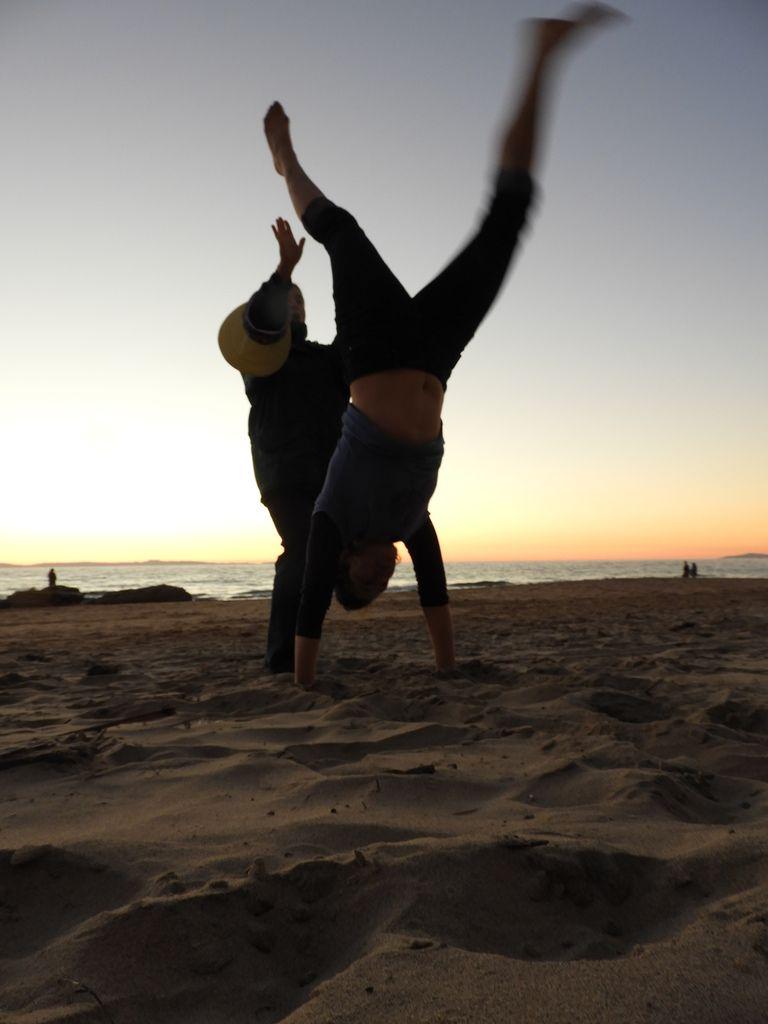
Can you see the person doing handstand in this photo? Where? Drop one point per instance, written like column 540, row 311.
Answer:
column 398, row 353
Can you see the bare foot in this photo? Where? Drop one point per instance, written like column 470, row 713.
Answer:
column 279, row 137
column 553, row 32
column 595, row 14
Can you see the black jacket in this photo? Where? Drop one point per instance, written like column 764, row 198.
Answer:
column 295, row 418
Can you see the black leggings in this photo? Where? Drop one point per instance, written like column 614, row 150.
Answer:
column 378, row 325
column 291, row 513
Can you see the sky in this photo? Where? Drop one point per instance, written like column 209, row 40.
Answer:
column 612, row 405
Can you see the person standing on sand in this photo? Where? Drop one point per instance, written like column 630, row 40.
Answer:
column 51, row 578
column 398, row 354
column 293, row 425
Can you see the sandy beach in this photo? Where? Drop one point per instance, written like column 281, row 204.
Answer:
column 573, row 829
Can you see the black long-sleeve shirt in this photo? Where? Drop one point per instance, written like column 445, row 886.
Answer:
column 295, row 417
column 322, row 566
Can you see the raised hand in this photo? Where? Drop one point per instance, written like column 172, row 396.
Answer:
column 290, row 249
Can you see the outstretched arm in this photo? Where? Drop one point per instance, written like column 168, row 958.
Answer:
column 290, row 249
column 440, row 626
column 321, row 568
column 305, row 654
column 269, row 308
column 424, row 549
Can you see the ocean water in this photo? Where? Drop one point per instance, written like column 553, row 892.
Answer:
column 225, row 581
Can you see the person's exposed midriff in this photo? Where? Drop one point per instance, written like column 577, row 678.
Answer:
column 405, row 404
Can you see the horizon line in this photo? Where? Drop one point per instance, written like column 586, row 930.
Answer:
column 460, row 561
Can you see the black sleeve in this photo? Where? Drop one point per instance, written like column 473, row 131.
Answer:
column 267, row 309
column 320, row 570
column 424, row 548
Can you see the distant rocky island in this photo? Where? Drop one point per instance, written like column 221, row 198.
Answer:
column 749, row 554
column 58, row 595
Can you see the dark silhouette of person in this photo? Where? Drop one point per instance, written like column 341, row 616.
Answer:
column 686, row 570
column 399, row 352
column 294, row 425
column 51, row 578
column 694, row 570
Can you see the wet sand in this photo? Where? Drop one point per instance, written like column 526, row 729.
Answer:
column 574, row 828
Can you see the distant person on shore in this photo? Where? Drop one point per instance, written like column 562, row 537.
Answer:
column 298, row 395
column 686, row 570
column 398, row 354
column 694, row 570
column 51, row 578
